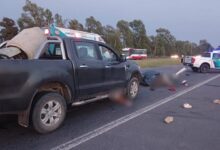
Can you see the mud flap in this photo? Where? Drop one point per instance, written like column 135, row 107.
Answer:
column 23, row 119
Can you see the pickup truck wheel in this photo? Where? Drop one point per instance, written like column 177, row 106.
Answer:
column 133, row 88
column 204, row 68
column 49, row 113
column 194, row 69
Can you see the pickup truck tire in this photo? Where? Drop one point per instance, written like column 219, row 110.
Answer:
column 133, row 88
column 204, row 68
column 194, row 69
column 49, row 113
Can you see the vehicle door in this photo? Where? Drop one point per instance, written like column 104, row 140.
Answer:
column 115, row 76
column 89, row 69
column 216, row 60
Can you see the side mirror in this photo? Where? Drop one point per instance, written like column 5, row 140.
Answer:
column 122, row 58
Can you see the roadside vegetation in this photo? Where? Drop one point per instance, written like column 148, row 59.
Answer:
column 157, row 62
column 123, row 34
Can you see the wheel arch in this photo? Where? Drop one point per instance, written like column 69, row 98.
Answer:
column 59, row 87
column 206, row 64
column 137, row 75
column 202, row 69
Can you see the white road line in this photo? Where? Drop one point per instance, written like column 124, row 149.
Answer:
column 92, row 134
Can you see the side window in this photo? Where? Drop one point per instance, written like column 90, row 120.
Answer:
column 208, row 55
column 107, row 54
column 216, row 56
column 52, row 51
column 86, row 50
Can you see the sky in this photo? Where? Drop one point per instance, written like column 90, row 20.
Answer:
column 191, row 20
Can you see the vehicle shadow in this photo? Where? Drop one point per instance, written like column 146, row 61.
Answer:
column 79, row 120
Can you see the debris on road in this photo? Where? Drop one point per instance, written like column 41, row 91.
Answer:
column 169, row 119
column 185, row 83
column 217, row 101
column 187, row 106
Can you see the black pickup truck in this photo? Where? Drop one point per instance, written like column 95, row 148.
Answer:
column 77, row 72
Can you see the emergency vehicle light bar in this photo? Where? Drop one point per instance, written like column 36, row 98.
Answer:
column 63, row 32
column 79, row 34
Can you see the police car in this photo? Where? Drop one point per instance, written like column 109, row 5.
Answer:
column 203, row 63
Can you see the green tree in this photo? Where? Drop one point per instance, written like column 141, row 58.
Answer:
column 125, row 33
column 112, row 37
column 140, row 38
column 76, row 25
column 152, row 44
column 9, row 29
column 48, row 15
column 165, row 42
column 35, row 15
column 93, row 25
column 59, row 21
column 187, row 48
column 204, row 45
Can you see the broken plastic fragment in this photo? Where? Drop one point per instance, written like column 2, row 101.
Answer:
column 184, row 82
column 168, row 119
column 217, row 101
column 187, row 106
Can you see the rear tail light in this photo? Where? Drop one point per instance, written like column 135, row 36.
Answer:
column 193, row 60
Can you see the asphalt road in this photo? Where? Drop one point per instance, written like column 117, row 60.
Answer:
column 197, row 128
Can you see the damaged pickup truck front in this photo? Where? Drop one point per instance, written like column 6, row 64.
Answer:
column 41, row 76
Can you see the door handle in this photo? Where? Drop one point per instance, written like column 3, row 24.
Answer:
column 83, row 66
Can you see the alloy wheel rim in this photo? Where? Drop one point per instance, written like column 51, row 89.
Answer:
column 134, row 89
column 50, row 113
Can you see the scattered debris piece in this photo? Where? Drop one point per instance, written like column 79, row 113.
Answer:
column 168, row 119
column 187, row 106
column 217, row 101
column 184, row 82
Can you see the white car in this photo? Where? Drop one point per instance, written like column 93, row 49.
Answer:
column 203, row 63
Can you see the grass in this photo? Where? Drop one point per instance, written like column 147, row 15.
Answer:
column 157, row 62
